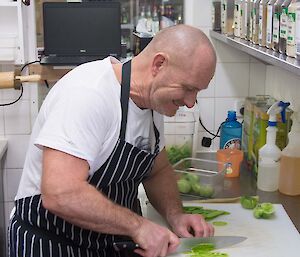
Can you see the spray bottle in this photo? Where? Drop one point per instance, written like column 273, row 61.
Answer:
column 269, row 154
column 289, row 178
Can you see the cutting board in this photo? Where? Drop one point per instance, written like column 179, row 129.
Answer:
column 276, row 237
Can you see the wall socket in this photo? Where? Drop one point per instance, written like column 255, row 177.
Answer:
column 239, row 107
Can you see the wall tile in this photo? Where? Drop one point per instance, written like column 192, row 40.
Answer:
column 11, row 183
column 12, row 94
column 2, row 123
column 8, row 206
column 227, row 53
column 202, row 148
column 210, row 91
column 232, row 80
column 207, row 112
column 257, row 78
column 202, row 13
column 17, row 118
column 222, row 106
column 283, row 85
column 16, row 151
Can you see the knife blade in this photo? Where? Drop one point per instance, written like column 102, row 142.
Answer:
column 186, row 244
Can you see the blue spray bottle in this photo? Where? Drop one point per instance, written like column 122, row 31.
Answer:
column 231, row 132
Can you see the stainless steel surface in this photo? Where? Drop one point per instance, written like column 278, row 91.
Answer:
column 186, row 244
column 262, row 53
column 246, row 185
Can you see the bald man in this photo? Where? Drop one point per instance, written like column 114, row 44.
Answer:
column 98, row 135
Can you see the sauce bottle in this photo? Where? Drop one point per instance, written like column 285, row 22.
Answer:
column 276, row 24
column 237, row 18
column 291, row 31
column 255, row 22
column 283, row 26
column 298, row 33
column 262, row 22
column 242, row 20
column 216, row 15
column 289, row 176
column 269, row 31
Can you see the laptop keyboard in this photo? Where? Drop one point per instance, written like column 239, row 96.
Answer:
column 68, row 60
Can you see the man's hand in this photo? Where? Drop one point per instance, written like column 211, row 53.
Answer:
column 191, row 225
column 155, row 240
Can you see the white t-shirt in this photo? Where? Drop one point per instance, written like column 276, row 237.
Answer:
column 81, row 116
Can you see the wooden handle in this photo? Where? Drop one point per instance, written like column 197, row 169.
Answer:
column 7, row 79
column 29, row 78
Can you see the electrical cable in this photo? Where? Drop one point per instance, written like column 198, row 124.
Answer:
column 21, row 86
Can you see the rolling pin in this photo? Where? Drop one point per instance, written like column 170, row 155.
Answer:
column 11, row 80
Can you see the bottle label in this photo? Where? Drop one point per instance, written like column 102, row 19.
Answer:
column 276, row 27
column 269, row 24
column 283, row 23
column 291, row 29
column 260, row 24
column 233, row 143
column 298, row 32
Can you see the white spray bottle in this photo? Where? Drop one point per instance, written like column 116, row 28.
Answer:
column 269, row 154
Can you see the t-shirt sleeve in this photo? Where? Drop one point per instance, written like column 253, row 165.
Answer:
column 78, row 125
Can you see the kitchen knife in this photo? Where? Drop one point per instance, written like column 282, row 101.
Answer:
column 186, row 244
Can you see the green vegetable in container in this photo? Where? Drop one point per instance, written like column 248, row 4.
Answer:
column 264, row 211
column 183, row 186
column 192, row 178
column 249, row 202
column 176, row 153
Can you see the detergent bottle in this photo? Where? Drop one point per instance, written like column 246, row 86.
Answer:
column 269, row 154
column 231, row 132
column 289, row 178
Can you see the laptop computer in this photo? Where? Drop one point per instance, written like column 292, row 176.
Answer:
column 78, row 32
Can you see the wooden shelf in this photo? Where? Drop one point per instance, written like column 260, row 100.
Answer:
column 49, row 73
column 264, row 54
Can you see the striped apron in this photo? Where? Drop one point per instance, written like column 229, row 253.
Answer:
column 36, row 232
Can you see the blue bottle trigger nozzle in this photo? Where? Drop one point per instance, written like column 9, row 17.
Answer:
column 277, row 107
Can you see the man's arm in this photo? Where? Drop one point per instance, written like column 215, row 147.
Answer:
column 162, row 192
column 66, row 193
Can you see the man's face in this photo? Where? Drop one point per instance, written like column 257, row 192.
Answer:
column 175, row 87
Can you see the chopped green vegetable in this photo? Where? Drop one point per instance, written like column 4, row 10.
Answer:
column 264, row 211
column 205, row 250
column 249, row 202
column 219, row 223
column 208, row 214
column 176, row 153
column 183, row 186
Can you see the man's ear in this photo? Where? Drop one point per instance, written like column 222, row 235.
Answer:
column 160, row 61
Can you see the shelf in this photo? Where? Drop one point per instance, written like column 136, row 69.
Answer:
column 264, row 54
column 127, row 26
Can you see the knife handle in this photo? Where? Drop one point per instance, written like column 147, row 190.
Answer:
column 125, row 245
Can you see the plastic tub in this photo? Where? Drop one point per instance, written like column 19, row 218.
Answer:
column 199, row 177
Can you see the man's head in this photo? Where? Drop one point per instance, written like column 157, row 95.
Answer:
column 178, row 63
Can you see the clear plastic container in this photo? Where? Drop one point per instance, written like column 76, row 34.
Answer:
column 199, row 177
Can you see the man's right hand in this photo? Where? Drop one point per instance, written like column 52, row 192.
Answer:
column 154, row 240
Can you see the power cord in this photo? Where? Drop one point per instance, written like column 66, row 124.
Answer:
column 21, row 86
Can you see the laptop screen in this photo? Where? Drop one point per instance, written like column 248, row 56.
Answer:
column 82, row 28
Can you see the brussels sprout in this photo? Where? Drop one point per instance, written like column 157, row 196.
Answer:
column 183, row 186
column 196, row 188
column 248, row 202
column 192, row 178
column 263, row 211
column 206, row 191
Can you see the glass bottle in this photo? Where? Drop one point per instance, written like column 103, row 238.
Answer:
column 262, row 22
column 155, row 21
column 291, row 31
column 298, row 33
column 283, row 26
column 237, row 18
column 149, row 19
column 242, row 20
column 269, row 30
column 276, row 24
column 250, row 30
column 216, row 15
column 255, row 21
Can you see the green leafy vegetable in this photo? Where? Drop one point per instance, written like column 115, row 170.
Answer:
column 219, row 223
column 264, row 211
column 205, row 250
column 249, row 202
column 176, row 153
column 208, row 214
